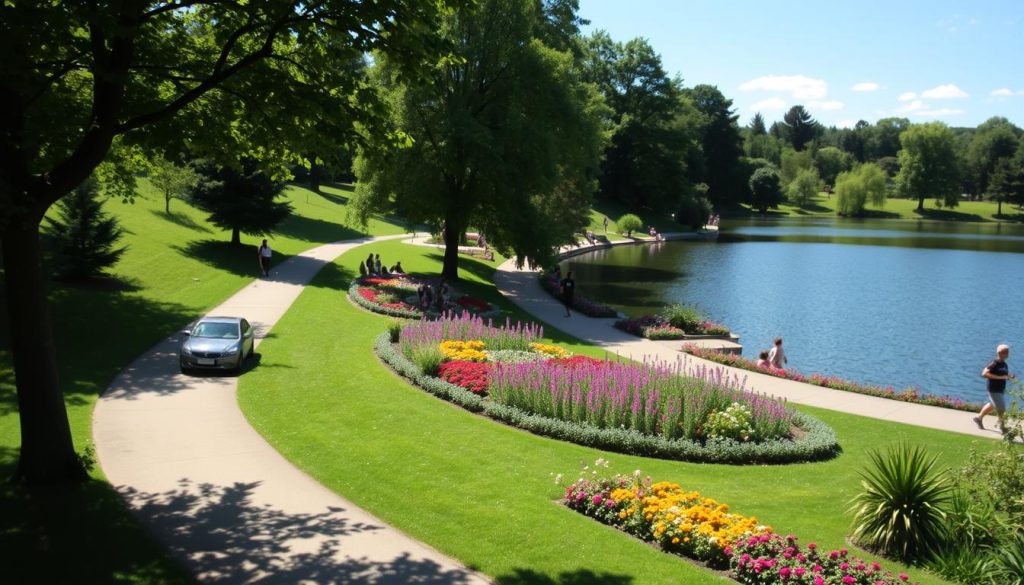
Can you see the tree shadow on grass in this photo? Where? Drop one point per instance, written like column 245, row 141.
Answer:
column 76, row 534
column 878, row 214
column 578, row 577
column 316, row 230
column 236, row 259
column 225, row 534
column 1014, row 217
column 182, row 220
column 947, row 215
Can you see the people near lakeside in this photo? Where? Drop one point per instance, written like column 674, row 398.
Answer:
column 369, row 264
column 654, row 234
column 762, row 360
column 397, row 268
column 377, row 266
column 606, row 225
column 777, row 356
column 263, row 255
column 362, row 268
column 590, row 237
column 997, row 372
column 568, row 288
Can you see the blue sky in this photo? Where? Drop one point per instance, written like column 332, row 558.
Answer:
column 957, row 62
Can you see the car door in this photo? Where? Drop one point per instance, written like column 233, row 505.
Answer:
column 247, row 338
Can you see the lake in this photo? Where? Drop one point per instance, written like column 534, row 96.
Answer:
column 906, row 304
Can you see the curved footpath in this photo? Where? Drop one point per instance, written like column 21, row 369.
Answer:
column 523, row 288
column 223, row 501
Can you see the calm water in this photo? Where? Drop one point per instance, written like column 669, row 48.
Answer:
column 903, row 304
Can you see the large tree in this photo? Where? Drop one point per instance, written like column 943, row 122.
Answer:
column 883, row 139
column 929, row 164
column 721, row 146
column 995, row 139
column 85, row 82
column 504, row 137
column 654, row 129
column 240, row 200
column 799, row 127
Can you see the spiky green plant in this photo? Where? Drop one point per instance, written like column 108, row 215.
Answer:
column 1010, row 561
column 900, row 511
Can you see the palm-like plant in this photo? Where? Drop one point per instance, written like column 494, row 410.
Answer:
column 1010, row 561
column 900, row 513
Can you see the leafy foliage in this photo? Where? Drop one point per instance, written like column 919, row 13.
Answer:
column 765, row 191
column 799, row 127
column 721, row 146
column 629, row 223
column 804, row 188
column 929, row 166
column 244, row 200
column 83, row 236
column 899, row 512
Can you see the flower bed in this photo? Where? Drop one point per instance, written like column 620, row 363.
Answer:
column 907, row 395
column 551, row 284
column 641, row 409
column 396, row 296
column 689, row 524
column 661, row 327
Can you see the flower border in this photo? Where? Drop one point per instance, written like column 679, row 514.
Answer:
column 818, row 443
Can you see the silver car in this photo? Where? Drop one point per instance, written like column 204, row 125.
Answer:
column 216, row 343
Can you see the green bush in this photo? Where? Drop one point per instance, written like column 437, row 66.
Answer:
column 899, row 513
column 962, row 564
column 395, row 329
column 628, row 224
column 83, row 236
column 685, row 317
column 427, row 358
column 1009, row 561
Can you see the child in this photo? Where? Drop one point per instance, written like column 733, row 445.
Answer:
column 762, row 360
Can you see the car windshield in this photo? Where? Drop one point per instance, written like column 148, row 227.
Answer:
column 216, row 330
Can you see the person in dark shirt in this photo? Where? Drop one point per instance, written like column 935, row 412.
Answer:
column 997, row 373
column 568, row 289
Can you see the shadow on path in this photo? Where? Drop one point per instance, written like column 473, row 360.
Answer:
column 227, row 537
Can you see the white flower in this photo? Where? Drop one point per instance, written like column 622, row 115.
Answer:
column 558, row 478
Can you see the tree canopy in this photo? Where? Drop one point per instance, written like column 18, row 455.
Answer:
column 505, row 137
column 929, row 165
column 799, row 127
column 87, row 83
column 243, row 200
column 721, row 146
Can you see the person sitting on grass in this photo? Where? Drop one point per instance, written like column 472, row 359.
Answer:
column 762, row 361
column 362, row 269
column 397, row 268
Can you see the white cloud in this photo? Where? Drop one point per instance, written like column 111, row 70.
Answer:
column 866, row 86
column 1006, row 92
column 826, row 105
column 914, row 106
column 799, row 86
column 906, row 97
column 769, row 104
column 948, row 91
column 846, row 123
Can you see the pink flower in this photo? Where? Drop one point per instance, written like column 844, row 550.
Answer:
column 800, row 571
column 812, row 546
column 819, row 581
column 784, row 573
column 848, row 580
column 844, row 566
column 596, row 499
column 904, row 577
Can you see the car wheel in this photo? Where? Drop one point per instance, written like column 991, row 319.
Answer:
column 184, row 370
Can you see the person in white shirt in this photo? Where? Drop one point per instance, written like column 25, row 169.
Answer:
column 777, row 357
column 264, row 257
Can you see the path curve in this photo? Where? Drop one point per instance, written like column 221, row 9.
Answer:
column 182, row 455
column 522, row 287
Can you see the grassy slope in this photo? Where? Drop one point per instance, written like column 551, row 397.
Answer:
column 906, row 209
column 487, row 490
column 179, row 267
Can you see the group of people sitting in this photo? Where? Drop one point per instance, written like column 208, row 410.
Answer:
column 654, row 234
column 428, row 296
column 372, row 266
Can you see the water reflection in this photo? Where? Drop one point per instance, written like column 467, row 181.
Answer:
column 900, row 303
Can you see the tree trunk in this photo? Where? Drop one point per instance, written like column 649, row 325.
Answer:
column 452, row 236
column 236, row 237
column 167, row 203
column 999, row 207
column 47, row 452
column 314, row 177
column 920, row 203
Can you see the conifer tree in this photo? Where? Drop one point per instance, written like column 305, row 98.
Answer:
column 84, row 237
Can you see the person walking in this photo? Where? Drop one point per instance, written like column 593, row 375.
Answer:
column 997, row 373
column 263, row 255
column 777, row 357
column 568, row 286
column 606, row 225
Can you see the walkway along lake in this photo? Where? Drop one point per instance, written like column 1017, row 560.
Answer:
column 907, row 304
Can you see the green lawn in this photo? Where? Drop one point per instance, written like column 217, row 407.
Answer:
column 176, row 268
column 906, row 209
column 484, row 492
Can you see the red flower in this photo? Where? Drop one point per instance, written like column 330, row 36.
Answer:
column 368, row 294
column 576, row 361
column 469, row 302
column 472, row 376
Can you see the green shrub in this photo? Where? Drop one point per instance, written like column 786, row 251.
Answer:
column 628, row 224
column 1009, row 561
column 963, row 564
column 735, row 422
column 395, row 329
column 899, row 513
column 83, row 236
column 427, row 358
column 685, row 317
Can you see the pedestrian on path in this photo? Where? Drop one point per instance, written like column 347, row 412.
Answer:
column 568, row 290
column 263, row 256
column 997, row 373
column 777, row 357
column 606, row 225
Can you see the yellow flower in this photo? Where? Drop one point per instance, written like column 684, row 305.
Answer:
column 548, row 349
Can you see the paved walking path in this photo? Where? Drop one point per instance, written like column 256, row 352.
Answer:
column 523, row 288
column 231, row 508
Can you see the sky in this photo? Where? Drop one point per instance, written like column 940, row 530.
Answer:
column 957, row 62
